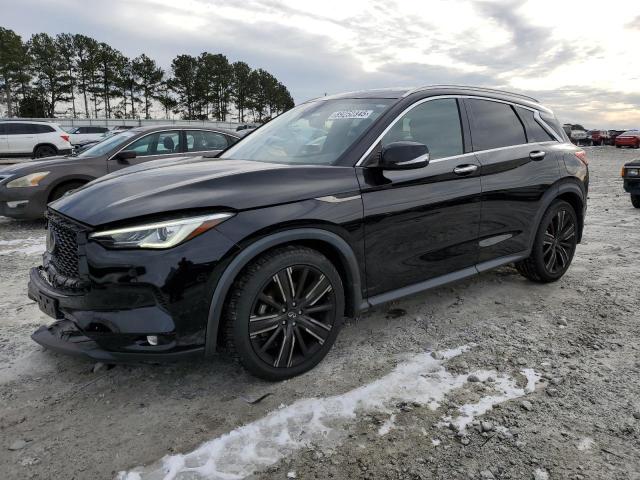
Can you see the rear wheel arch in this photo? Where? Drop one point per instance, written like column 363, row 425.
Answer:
column 328, row 243
column 44, row 144
column 576, row 201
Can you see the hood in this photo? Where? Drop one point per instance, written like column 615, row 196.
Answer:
column 31, row 166
column 200, row 183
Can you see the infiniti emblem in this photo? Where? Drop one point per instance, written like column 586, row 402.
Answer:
column 51, row 241
column 292, row 314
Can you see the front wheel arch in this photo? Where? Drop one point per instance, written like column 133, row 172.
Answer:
column 328, row 243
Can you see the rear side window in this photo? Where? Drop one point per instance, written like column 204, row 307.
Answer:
column 202, row 141
column 435, row 123
column 494, row 125
column 42, row 129
column 535, row 132
column 3, row 130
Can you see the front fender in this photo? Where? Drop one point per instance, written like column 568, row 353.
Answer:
column 224, row 284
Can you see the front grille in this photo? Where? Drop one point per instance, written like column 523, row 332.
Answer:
column 64, row 256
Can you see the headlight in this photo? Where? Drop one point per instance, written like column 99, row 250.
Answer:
column 159, row 235
column 31, row 180
column 633, row 172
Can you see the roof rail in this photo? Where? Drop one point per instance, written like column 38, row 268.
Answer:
column 466, row 87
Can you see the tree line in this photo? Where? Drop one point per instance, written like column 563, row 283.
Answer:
column 92, row 79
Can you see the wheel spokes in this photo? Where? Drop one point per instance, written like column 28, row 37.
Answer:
column 292, row 317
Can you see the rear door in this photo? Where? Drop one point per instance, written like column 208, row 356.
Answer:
column 152, row 146
column 519, row 164
column 422, row 223
column 21, row 138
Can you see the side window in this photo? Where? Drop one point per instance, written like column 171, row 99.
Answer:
column 202, row 141
column 19, row 129
column 535, row 131
column 3, row 130
column 494, row 125
column 435, row 123
column 168, row 142
column 83, row 130
column 159, row 143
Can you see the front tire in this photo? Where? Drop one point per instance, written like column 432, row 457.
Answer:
column 61, row 190
column 284, row 312
column 635, row 200
column 554, row 245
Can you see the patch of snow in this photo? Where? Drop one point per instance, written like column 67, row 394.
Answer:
column 321, row 422
column 387, row 425
column 540, row 474
column 506, row 389
column 25, row 246
column 585, row 444
column 435, row 442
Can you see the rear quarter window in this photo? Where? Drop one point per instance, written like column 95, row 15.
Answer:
column 535, row 131
column 494, row 125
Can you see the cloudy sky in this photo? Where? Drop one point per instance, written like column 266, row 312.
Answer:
column 582, row 58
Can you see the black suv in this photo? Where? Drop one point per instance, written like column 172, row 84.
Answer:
column 338, row 205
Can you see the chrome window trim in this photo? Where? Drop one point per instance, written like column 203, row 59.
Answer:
column 536, row 116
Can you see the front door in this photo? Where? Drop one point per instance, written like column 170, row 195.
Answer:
column 154, row 146
column 422, row 223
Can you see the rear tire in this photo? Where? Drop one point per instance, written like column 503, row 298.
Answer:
column 284, row 312
column 554, row 245
column 61, row 190
column 45, row 151
column 635, row 200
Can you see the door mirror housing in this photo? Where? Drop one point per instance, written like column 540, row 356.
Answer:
column 404, row 156
column 125, row 155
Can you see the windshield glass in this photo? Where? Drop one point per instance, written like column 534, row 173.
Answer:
column 313, row 133
column 631, row 132
column 106, row 145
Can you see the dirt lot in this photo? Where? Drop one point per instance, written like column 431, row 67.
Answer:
column 559, row 364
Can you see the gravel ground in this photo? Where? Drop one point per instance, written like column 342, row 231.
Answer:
column 62, row 418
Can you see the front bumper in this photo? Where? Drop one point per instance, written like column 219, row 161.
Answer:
column 122, row 297
column 64, row 336
column 632, row 186
column 23, row 203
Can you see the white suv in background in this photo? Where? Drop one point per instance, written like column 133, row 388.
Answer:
column 80, row 135
column 35, row 139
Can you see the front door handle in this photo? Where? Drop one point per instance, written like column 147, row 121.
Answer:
column 465, row 169
column 537, row 155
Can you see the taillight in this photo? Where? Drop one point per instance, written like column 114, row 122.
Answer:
column 65, row 137
column 582, row 156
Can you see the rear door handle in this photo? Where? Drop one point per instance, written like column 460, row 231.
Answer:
column 465, row 169
column 537, row 155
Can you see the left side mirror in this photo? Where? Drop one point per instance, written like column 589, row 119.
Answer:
column 404, row 156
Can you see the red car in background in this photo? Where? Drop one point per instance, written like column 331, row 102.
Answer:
column 599, row 137
column 630, row 138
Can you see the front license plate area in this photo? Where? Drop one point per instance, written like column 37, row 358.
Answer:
column 49, row 305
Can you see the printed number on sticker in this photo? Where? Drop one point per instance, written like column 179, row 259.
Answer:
column 350, row 114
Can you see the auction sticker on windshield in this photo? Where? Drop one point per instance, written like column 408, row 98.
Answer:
column 350, row 114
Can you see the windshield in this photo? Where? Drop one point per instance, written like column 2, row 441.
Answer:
column 631, row 132
column 313, row 133
column 106, row 145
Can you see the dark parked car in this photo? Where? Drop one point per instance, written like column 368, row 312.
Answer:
column 26, row 188
column 338, row 205
column 613, row 134
column 631, row 178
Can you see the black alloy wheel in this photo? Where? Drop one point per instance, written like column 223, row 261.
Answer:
column 559, row 242
column 284, row 312
column 554, row 244
column 292, row 316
